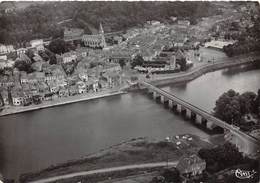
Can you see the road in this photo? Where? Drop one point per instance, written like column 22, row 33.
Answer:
column 105, row 170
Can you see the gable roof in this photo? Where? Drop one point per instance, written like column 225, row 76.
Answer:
column 187, row 161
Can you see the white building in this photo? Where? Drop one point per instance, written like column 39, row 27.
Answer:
column 6, row 63
column 69, row 57
column 4, row 49
column 184, row 22
column 38, row 44
column 218, row 44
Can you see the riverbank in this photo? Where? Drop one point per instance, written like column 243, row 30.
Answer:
column 141, row 150
column 253, row 58
column 60, row 101
column 189, row 75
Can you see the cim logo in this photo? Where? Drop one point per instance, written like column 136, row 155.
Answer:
column 244, row 174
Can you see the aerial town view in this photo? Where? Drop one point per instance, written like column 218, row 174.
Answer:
column 129, row 92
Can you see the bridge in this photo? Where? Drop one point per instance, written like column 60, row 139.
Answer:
column 245, row 143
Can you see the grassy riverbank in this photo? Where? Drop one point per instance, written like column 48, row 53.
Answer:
column 134, row 151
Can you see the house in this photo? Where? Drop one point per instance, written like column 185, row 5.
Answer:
column 23, row 77
column 17, row 96
column 27, row 99
column 6, row 64
column 37, row 66
column 53, row 87
column 4, row 49
column 184, row 22
column 38, row 44
column 191, row 165
column 116, row 57
column 34, row 89
column 83, row 76
column 95, row 85
column 103, row 84
column 73, row 90
column 69, row 57
column 63, row 92
column 113, row 79
column 48, row 96
column 3, row 57
column 81, row 87
column 23, row 57
column 5, row 96
column 218, row 44
column 20, row 51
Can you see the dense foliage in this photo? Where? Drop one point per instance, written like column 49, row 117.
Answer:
column 222, row 157
column 248, row 42
column 231, row 105
column 167, row 176
column 43, row 20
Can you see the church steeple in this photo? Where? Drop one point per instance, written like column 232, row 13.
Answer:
column 101, row 31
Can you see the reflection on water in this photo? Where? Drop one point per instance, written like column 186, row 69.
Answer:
column 240, row 69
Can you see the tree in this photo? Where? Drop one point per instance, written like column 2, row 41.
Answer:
column 247, row 102
column 122, row 63
column 228, row 107
column 182, row 62
column 137, row 61
column 44, row 56
column 222, row 157
column 23, row 66
column 171, row 175
column 58, row 46
column 30, row 54
column 53, row 60
column 257, row 103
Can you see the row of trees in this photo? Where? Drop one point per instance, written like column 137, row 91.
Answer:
column 231, row 105
column 242, row 47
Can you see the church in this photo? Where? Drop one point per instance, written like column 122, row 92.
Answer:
column 95, row 41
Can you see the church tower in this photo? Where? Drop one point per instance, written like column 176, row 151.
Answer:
column 101, row 33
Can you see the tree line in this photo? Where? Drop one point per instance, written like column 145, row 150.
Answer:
column 40, row 21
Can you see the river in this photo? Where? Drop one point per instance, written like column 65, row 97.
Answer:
column 34, row 140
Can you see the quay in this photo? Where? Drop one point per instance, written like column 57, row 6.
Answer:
column 59, row 102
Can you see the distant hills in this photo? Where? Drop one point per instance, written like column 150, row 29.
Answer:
column 40, row 20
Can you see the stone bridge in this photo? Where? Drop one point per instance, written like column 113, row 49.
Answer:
column 245, row 143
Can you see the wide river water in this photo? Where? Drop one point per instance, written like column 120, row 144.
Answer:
column 35, row 140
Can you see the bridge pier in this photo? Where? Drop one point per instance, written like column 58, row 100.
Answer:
column 170, row 104
column 178, row 108
column 188, row 113
column 198, row 119
column 210, row 125
column 162, row 99
column 154, row 95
